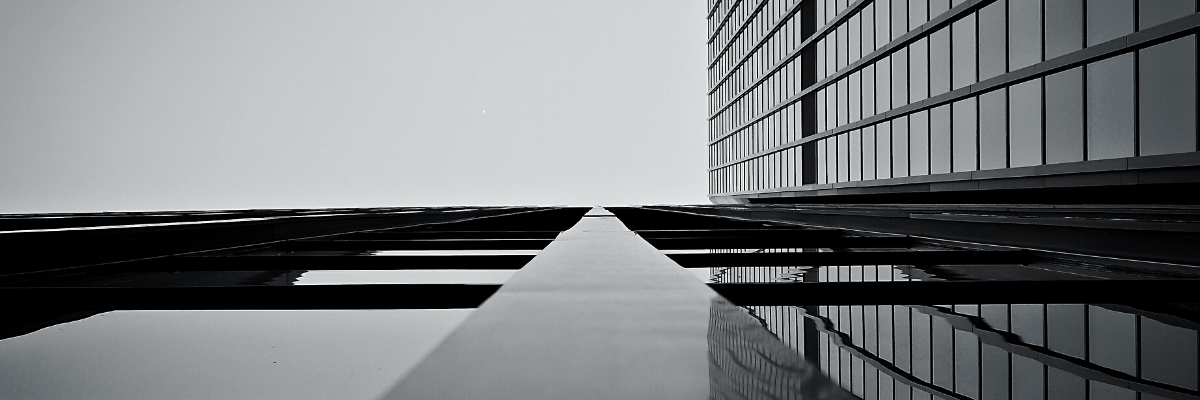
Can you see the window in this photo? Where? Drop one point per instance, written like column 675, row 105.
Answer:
column 918, row 12
column 1064, row 27
column 1064, row 116
column 899, row 78
column 918, row 143
column 883, row 145
column 868, row 91
column 900, row 147
column 919, row 70
column 868, row 153
column 993, row 130
column 939, row 140
column 883, row 85
column 1167, row 95
column 966, row 136
column 899, row 18
column 1151, row 13
column 963, row 55
column 992, row 46
column 1024, row 33
column 939, row 62
column 882, row 22
column 1108, row 20
column 1110, row 109
column 855, row 155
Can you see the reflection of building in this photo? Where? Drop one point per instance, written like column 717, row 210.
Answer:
column 995, row 351
column 1008, row 100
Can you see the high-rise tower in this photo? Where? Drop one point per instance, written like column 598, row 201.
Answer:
column 948, row 100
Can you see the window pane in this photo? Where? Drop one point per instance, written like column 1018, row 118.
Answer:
column 1167, row 92
column 1168, row 353
column 883, row 85
column 963, row 44
column 1112, row 339
column 855, row 41
column 1108, row 20
column 883, row 145
column 855, row 97
column 939, row 140
column 843, row 101
column 918, row 12
column 868, row 29
column 868, row 91
column 1025, row 123
column 900, row 147
column 1110, row 108
column 882, row 22
column 993, row 130
column 1151, row 13
column 899, row 78
column 899, row 18
column 843, row 47
column 1064, row 116
column 919, row 71
column 822, row 162
column 991, row 40
column 1064, row 27
column 939, row 62
column 821, row 111
column 919, row 143
column 966, row 136
column 843, row 159
column 1024, row 33
column 855, row 155
column 937, row 7
column 868, row 153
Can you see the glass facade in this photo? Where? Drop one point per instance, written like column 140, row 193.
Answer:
column 813, row 94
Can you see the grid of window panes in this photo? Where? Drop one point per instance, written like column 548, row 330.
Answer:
column 994, row 351
column 891, row 95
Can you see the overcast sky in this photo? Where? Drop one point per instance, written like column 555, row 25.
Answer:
column 163, row 105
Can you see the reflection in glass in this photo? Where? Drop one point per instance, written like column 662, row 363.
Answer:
column 883, row 85
column 1064, row 116
column 1110, row 108
column 1167, row 96
column 855, row 155
column 899, row 18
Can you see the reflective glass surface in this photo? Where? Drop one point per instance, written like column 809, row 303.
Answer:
column 1151, row 13
column 1024, row 33
column 1167, row 96
column 1025, row 123
column 939, row 62
column 963, row 45
column 1110, row 108
column 919, row 143
column 939, row 140
column 1064, row 27
column 1108, row 19
column 992, row 44
column 1064, row 116
column 966, row 135
column 993, row 130
column 900, row 147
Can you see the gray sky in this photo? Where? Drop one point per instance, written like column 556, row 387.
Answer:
column 160, row 105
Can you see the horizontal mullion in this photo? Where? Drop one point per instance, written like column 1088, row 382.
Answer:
column 959, row 292
column 816, row 241
column 308, row 297
column 436, row 244
column 850, row 258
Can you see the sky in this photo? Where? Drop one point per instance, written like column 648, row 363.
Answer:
column 219, row 104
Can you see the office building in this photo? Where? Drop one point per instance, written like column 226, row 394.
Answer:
column 1007, row 100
